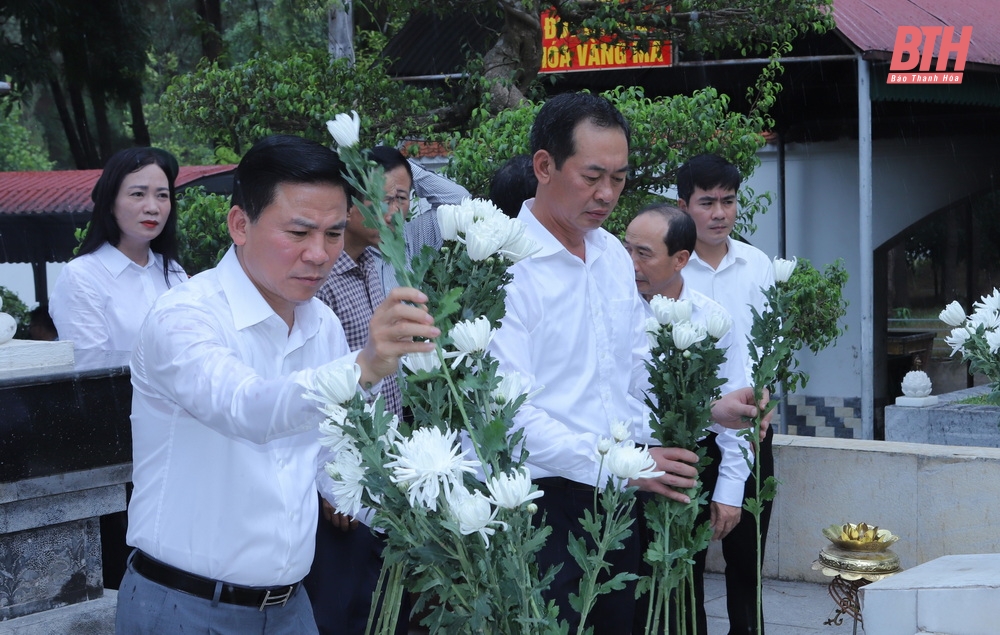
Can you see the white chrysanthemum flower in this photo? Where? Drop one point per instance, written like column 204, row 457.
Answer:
column 988, row 319
column 333, row 436
column 989, row 302
column 626, row 461
column 345, row 129
column 470, row 337
column 334, row 383
column 426, row 461
column 455, row 219
column 483, row 209
column 484, row 238
column 993, row 341
column 620, row 431
column 682, row 311
column 718, row 324
column 686, row 334
column 652, row 328
column 519, row 247
column 510, row 491
column 347, row 473
column 421, row 362
column 604, row 445
column 473, row 512
column 663, row 309
column 512, row 385
column 959, row 336
column 783, row 269
column 953, row 314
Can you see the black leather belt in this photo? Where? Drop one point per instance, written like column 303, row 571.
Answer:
column 205, row 588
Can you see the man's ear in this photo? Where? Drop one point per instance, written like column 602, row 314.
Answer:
column 682, row 205
column 237, row 221
column 544, row 166
column 682, row 258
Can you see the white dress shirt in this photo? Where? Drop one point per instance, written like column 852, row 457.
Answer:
column 574, row 330
column 100, row 299
column 737, row 284
column 225, row 446
column 733, row 468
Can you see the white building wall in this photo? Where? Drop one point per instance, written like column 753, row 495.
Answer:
column 911, row 179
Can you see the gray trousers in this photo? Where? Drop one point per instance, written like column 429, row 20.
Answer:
column 148, row 608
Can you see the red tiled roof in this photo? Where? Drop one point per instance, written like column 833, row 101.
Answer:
column 68, row 191
column 871, row 24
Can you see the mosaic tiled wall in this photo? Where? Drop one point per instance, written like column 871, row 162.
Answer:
column 833, row 417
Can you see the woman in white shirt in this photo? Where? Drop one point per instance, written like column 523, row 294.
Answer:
column 128, row 257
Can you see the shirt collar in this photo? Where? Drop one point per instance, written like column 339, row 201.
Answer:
column 733, row 255
column 247, row 305
column 116, row 262
column 596, row 240
column 345, row 263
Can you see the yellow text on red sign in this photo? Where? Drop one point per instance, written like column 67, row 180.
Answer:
column 562, row 52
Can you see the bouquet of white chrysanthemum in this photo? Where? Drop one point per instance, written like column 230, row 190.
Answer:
column 449, row 488
column 977, row 337
column 684, row 381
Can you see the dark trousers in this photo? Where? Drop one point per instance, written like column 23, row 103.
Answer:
column 740, row 551
column 343, row 579
column 561, row 507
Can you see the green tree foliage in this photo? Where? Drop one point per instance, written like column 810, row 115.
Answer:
column 201, row 229
column 90, row 56
column 233, row 107
column 816, row 304
column 14, row 307
column 20, row 150
column 665, row 132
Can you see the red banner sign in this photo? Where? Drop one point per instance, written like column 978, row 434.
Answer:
column 562, row 52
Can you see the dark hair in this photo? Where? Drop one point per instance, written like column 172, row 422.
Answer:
column 513, row 184
column 682, row 233
column 389, row 159
column 706, row 171
column 281, row 159
column 555, row 122
column 103, row 225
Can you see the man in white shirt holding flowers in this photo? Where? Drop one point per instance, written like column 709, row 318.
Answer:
column 574, row 329
column 661, row 239
column 225, row 445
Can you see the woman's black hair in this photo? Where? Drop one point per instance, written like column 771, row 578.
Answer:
column 103, row 225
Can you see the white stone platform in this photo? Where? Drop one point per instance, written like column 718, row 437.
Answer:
column 957, row 595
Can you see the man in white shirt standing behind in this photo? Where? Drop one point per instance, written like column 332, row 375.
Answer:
column 733, row 274
column 661, row 239
column 225, row 445
column 574, row 330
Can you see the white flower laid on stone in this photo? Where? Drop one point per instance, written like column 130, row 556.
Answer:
column 427, row 463
column 512, row 490
column 783, row 269
column 345, row 129
column 977, row 338
column 8, row 326
column 485, row 230
column 916, row 383
column 473, row 512
column 627, row 461
column 470, row 337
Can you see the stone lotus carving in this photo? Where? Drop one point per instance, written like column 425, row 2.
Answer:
column 916, row 383
column 8, row 326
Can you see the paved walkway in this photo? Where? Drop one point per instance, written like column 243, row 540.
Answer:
column 790, row 608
